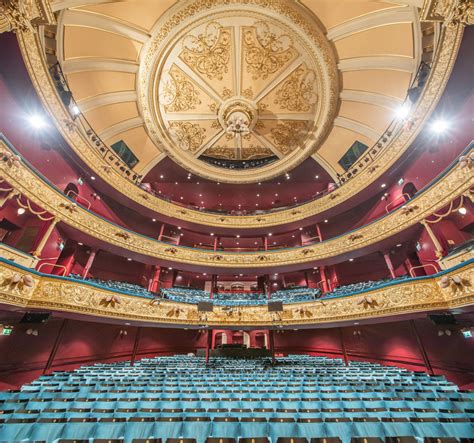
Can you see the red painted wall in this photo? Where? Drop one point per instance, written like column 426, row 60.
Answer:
column 24, row 357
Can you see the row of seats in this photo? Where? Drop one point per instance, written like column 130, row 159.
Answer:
column 129, row 288
column 194, row 296
column 362, row 286
column 183, row 397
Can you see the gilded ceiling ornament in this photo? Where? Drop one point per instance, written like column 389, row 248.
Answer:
column 179, row 93
column 265, row 52
column 297, row 92
column 226, row 93
column 248, row 93
column 223, row 152
column 287, row 136
column 189, row 136
column 209, row 52
column 255, row 152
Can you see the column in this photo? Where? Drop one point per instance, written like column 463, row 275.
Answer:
column 301, row 239
column 438, row 248
column 265, row 243
column 135, row 346
column 154, row 281
column 45, row 238
column 175, row 274
column 318, row 232
column 389, row 263
column 324, row 279
column 162, row 230
column 215, row 244
column 272, row 345
column 213, row 285
column 89, row 263
column 57, row 342
column 306, row 278
column 343, row 347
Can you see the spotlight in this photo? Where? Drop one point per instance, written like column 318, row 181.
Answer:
column 21, row 211
column 439, row 126
column 462, row 210
column 403, row 111
column 37, row 121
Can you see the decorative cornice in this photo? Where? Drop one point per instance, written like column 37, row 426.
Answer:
column 451, row 13
column 20, row 288
column 23, row 15
column 456, row 182
column 448, row 46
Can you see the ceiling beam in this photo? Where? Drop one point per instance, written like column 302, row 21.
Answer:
column 355, row 126
column 389, row 62
column 103, row 23
column 373, row 20
column 110, row 98
column 371, row 98
column 82, row 64
column 118, row 128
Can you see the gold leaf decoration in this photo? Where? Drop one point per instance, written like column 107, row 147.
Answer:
column 297, row 92
column 188, row 135
column 287, row 136
column 265, row 52
column 209, row 52
column 179, row 93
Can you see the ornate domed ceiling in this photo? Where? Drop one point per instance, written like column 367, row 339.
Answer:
column 259, row 85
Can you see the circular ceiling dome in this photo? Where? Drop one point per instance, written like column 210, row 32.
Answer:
column 238, row 90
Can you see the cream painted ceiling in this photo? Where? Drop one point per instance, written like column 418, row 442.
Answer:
column 190, row 93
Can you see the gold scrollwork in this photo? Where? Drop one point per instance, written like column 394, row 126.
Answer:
column 189, row 136
column 297, row 91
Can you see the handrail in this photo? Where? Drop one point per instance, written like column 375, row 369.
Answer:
column 395, row 199
column 423, row 266
column 53, row 266
column 71, row 191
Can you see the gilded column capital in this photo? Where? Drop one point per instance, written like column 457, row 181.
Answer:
column 24, row 15
column 450, row 12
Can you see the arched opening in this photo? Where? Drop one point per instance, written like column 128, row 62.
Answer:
column 261, row 340
column 220, row 339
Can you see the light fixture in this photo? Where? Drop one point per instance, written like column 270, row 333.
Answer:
column 162, row 176
column 153, row 219
column 403, row 111
column 92, row 177
column 37, row 121
column 462, row 210
column 300, row 229
column 351, row 259
column 316, row 176
column 129, row 259
column 75, row 110
column 439, row 126
column 270, row 234
column 325, row 221
column 383, row 185
column 238, row 235
column 20, row 211
column 212, row 234
column 399, row 245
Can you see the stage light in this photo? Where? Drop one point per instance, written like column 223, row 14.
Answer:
column 439, row 126
column 37, row 121
column 20, row 211
column 75, row 110
column 462, row 210
column 403, row 111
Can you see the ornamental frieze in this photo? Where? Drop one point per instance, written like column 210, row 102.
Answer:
column 64, row 295
column 458, row 181
column 74, row 134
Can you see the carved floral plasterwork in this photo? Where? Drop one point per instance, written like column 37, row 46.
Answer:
column 297, row 92
column 80, row 298
column 179, row 93
column 209, row 52
column 445, row 57
column 266, row 52
column 189, row 136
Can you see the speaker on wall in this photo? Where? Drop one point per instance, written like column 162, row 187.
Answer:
column 205, row 306
column 275, row 306
column 35, row 317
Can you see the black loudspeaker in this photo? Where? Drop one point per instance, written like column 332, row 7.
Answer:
column 35, row 317
column 275, row 306
column 442, row 319
column 205, row 306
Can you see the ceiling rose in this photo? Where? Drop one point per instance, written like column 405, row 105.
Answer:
column 228, row 82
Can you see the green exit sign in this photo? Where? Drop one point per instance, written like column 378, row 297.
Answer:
column 6, row 330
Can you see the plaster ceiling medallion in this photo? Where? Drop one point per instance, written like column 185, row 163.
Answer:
column 238, row 80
